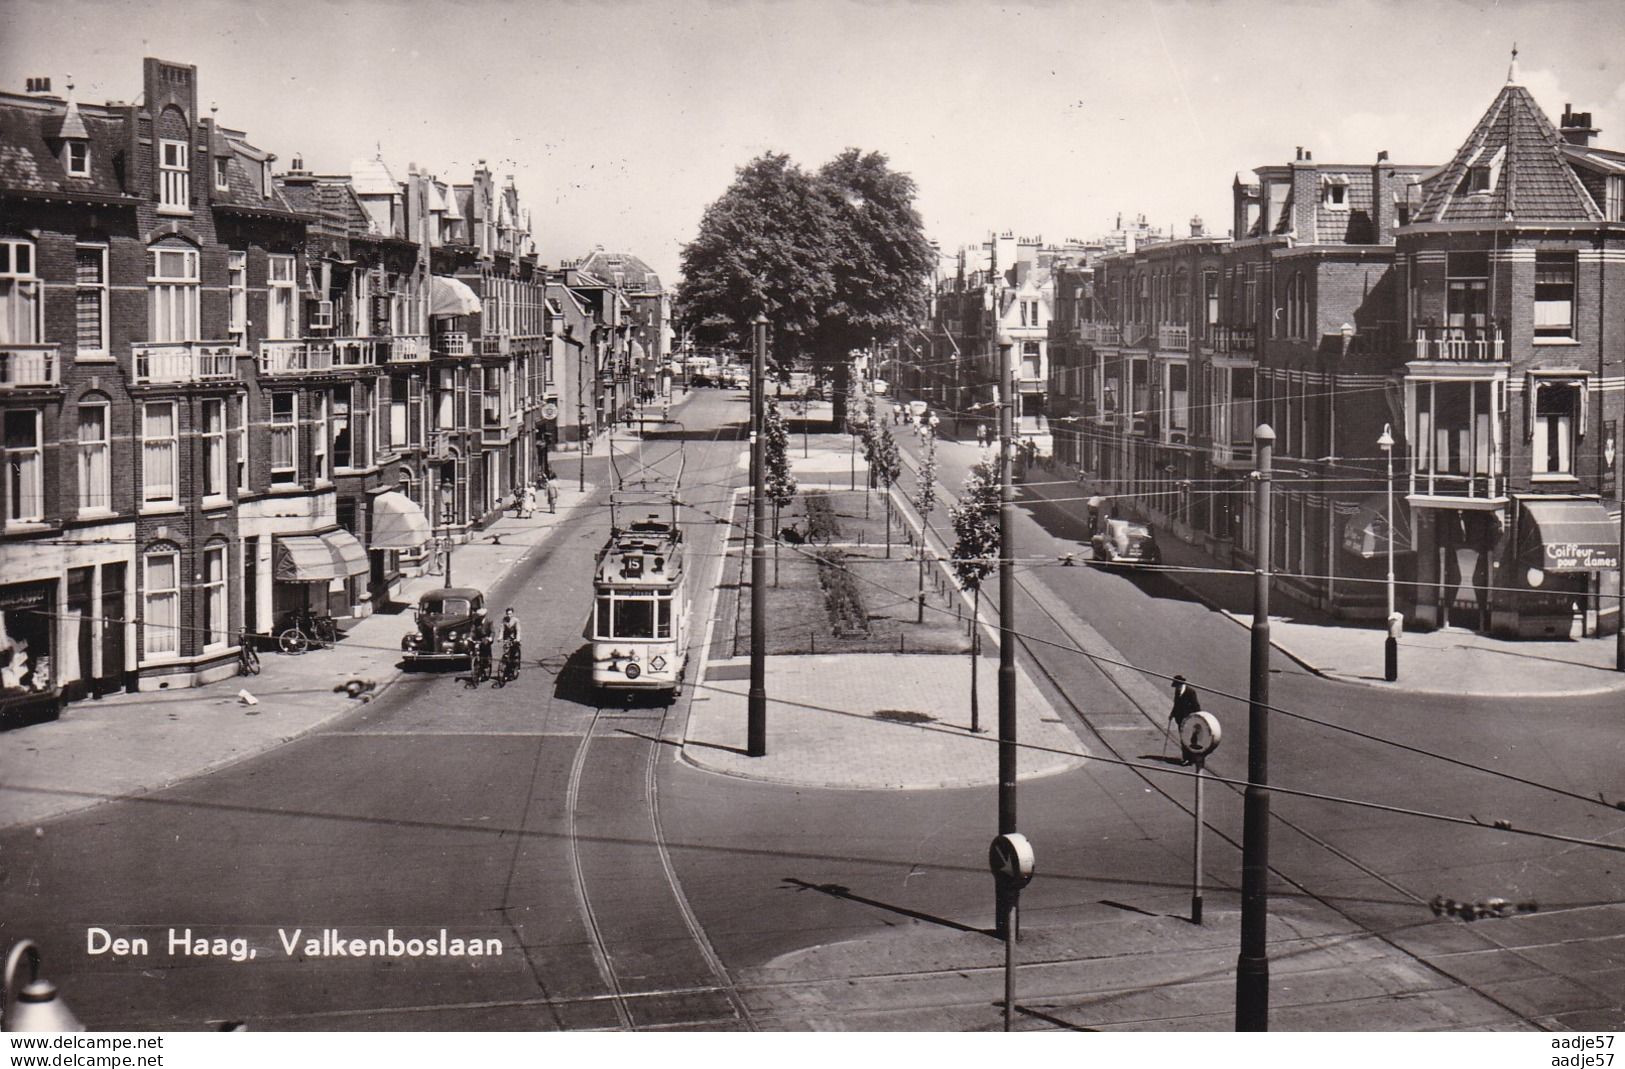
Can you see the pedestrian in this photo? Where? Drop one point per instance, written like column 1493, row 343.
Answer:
column 530, row 502
column 1185, row 703
column 550, row 487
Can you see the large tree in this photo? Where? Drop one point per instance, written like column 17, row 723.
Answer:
column 833, row 259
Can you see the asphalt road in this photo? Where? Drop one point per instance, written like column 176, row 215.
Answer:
column 630, row 890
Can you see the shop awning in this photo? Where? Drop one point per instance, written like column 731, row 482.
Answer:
column 1365, row 534
column 318, row 558
column 398, row 522
column 1567, row 535
column 450, row 297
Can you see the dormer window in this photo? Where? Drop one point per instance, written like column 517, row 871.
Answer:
column 1337, row 192
column 222, row 173
column 77, row 159
column 1483, row 175
column 265, row 179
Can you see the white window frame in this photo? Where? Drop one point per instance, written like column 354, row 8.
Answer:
column 68, row 152
column 1614, row 198
column 285, row 428
column 1554, row 332
column 25, row 473
column 215, row 600
column 94, row 460
column 222, row 173
column 153, row 646
column 1337, row 192
column 212, row 432
column 319, row 447
column 99, row 290
column 155, row 448
column 173, row 299
column 237, row 292
column 174, row 177
column 1570, row 427
column 281, row 297
column 21, row 298
column 242, row 443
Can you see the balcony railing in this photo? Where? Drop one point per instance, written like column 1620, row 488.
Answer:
column 315, row 355
column 494, row 345
column 439, row 445
column 183, row 361
column 1102, row 333
column 1460, row 343
column 408, row 348
column 452, row 343
column 1173, row 336
column 353, row 352
column 1227, row 339
column 29, row 365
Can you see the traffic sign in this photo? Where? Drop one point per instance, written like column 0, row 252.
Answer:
column 550, row 411
column 1199, row 734
column 1011, row 859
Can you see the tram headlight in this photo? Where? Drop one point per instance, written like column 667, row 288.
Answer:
column 632, row 670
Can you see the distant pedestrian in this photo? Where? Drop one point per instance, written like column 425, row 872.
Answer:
column 1186, row 702
column 550, row 487
column 530, row 503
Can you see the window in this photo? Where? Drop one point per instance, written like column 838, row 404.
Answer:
column 1554, row 295
column 242, row 443
column 1467, row 299
column 1614, row 199
column 1178, row 407
column 1559, row 407
column 90, row 298
column 1337, row 192
column 398, row 413
column 19, row 293
column 222, row 173
column 280, row 311
column 172, row 289
column 25, row 467
column 1453, row 442
column 214, row 447
column 343, row 451
column 161, row 600
column 95, row 486
column 215, row 623
column 318, row 440
column 158, row 445
column 174, row 177
column 237, row 291
column 284, row 438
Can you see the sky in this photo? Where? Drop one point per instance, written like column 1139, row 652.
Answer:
column 621, row 121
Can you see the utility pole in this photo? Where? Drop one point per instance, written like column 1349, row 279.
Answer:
column 756, row 743
column 1252, row 966
column 1007, row 629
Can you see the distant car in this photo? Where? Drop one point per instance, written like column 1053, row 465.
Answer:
column 443, row 621
column 699, row 379
column 1125, row 542
column 878, row 386
column 733, row 375
column 918, row 409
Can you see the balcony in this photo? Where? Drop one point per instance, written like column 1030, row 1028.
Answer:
column 452, row 343
column 183, row 361
column 353, row 352
column 1173, row 337
column 439, row 445
column 495, row 345
column 1465, row 344
column 1241, row 340
column 29, row 366
column 408, row 348
column 315, row 356
column 1102, row 333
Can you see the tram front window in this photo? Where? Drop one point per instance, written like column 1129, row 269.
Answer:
column 635, row 616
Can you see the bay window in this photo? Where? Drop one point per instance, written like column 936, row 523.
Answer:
column 1455, row 436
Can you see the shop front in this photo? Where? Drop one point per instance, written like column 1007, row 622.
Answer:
column 399, row 525
column 1565, row 548
column 29, row 687
column 324, row 574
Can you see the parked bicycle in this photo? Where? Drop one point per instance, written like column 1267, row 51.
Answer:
column 306, row 631
column 248, row 659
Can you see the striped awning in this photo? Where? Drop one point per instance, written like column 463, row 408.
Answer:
column 398, row 522
column 318, row 558
column 450, row 297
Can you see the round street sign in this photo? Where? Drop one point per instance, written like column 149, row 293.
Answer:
column 550, row 411
column 1011, row 859
column 1199, row 734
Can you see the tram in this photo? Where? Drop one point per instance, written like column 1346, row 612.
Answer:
column 640, row 603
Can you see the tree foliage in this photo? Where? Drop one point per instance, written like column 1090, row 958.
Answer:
column 832, row 258
column 781, row 485
column 925, row 488
column 976, row 527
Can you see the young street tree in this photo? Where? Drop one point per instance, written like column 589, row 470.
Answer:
column 976, row 551
column 833, row 259
column 886, row 464
column 925, row 500
column 781, row 485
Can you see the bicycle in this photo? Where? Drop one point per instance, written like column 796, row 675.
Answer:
column 479, row 664
column 508, row 666
column 248, row 659
column 307, row 631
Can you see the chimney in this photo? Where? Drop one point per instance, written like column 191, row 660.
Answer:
column 39, row 86
column 1577, row 128
column 1196, row 227
column 1305, row 199
column 1383, row 189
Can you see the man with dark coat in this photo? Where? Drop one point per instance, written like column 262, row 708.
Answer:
column 1185, row 703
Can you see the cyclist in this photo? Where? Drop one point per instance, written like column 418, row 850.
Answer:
column 509, row 632
column 480, row 635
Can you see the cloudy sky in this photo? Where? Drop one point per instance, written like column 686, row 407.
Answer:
column 621, row 121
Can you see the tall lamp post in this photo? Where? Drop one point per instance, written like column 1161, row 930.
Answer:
column 756, row 701
column 1252, row 965
column 1390, row 647
column 448, row 516
column 1005, row 896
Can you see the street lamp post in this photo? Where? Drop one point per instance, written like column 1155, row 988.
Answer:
column 1007, row 630
column 448, row 516
column 756, row 700
column 1390, row 648
column 1252, row 965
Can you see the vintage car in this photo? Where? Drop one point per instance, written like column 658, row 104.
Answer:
column 444, row 618
column 1124, row 542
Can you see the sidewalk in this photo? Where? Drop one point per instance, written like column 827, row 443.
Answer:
column 1444, row 662
column 128, row 744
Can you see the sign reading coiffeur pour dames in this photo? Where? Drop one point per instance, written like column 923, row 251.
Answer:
column 1580, row 556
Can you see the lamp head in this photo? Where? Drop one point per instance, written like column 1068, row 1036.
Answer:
column 1387, row 439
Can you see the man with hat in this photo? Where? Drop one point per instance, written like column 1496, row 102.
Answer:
column 1185, row 703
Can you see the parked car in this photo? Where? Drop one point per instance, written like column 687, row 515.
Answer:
column 443, row 621
column 1125, row 542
